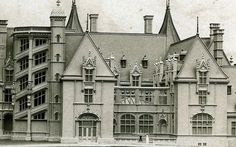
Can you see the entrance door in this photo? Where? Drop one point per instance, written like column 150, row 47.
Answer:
column 88, row 127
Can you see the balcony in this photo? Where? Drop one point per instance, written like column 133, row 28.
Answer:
column 6, row 106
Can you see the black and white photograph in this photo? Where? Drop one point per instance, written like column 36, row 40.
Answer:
column 128, row 73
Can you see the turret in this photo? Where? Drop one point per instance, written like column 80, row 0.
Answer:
column 57, row 54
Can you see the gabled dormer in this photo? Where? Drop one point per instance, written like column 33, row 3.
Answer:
column 135, row 75
column 89, row 68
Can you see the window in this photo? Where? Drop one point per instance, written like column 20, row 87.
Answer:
column 23, row 82
column 146, row 97
column 202, row 94
column 24, row 63
column 57, row 77
column 40, row 77
column 23, row 103
column 88, row 125
column 9, row 75
column 135, row 81
column 123, row 63
column 39, row 98
column 127, row 96
column 163, row 126
column 127, row 122
column 163, row 97
column 58, row 57
column 88, row 95
column 202, row 77
column 39, row 116
column 229, row 90
column 146, row 124
column 57, row 99
column 145, row 62
column 202, row 123
column 233, row 128
column 88, row 75
column 56, row 116
column 40, row 58
column 8, row 95
column 58, row 38
column 39, row 42
column 24, row 44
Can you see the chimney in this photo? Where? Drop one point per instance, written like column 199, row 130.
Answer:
column 213, row 26
column 218, row 45
column 148, row 24
column 93, row 22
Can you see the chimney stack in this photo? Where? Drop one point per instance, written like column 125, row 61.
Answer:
column 93, row 22
column 218, row 45
column 148, row 24
column 213, row 26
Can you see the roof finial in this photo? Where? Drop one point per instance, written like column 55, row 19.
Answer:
column 197, row 25
column 87, row 22
column 168, row 4
column 58, row 3
column 73, row 2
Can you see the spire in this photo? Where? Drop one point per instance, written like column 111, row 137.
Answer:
column 197, row 25
column 87, row 23
column 168, row 4
column 168, row 27
column 73, row 22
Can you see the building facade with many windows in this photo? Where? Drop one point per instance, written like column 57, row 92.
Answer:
column 61, row 83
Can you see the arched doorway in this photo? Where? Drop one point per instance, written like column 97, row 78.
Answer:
column 7, row 123
column 88, row 126
column 163, row 126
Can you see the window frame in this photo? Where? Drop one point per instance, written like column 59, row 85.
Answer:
column 146, row 123
column 88, row 95
column 233, row 128
column 39, row 98
column 202, row 124
column 40, row 77
column 23, row 82
column 40, row 58
column 24, row 44
column 202, row 96
column 88, row 74
column 23, row 103
column 127, row 123
column 135, row 81
column 24, row 63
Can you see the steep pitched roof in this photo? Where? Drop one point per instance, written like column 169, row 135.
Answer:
column 73, row 22
column 168, row 27
column 134, row 47
column 199, row 47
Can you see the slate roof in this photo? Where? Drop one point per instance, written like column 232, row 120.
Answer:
column 134, row 47
column 73, row 22
column 168, row 27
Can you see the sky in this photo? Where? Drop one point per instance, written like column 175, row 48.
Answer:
column 127, row 15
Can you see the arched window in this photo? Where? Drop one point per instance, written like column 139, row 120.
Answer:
column 56, row 99
column 88, row 125
column 202, row 123
column 58, row 38
column 56, row 116
column 146, row 124
column 127, row 122
column 163, row 126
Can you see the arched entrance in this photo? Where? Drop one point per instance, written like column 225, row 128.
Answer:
column 7, row 123
column 88, row 126
column 163, row 126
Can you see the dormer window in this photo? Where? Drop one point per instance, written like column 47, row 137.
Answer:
column 202, row 77
column 135, row 81
column 123, row 62
column 88, row 75
column 145, row 62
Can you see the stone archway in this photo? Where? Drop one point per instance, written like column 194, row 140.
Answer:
column 88, row 126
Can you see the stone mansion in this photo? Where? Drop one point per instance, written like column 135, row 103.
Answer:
column 67, row 83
